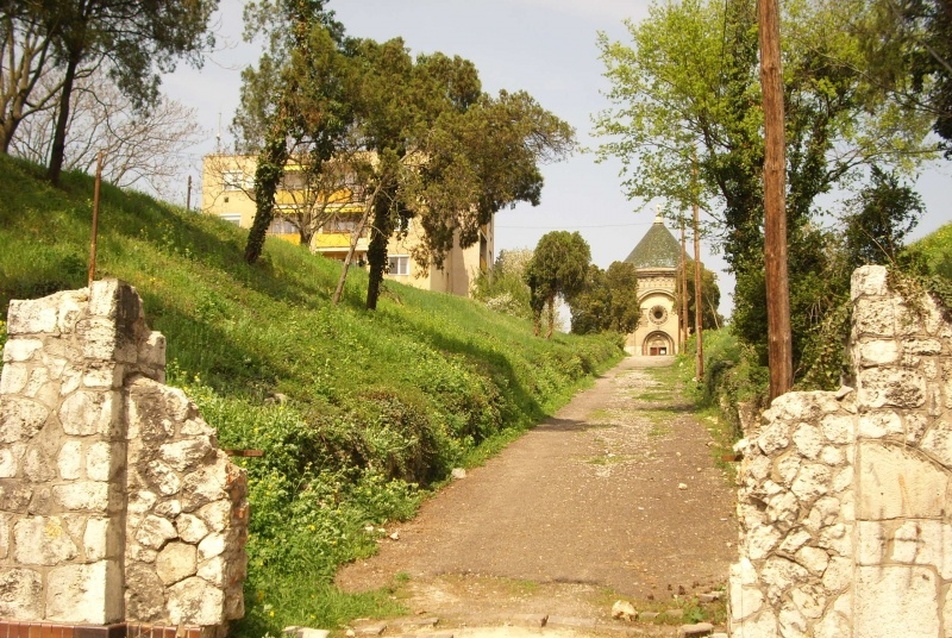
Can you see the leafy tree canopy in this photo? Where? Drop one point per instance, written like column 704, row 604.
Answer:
column 134, row 41
column 559, row 268
column 609, row 301
column 685, row 93
column 432, row 144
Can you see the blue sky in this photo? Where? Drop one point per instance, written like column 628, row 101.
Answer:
column 545, row 47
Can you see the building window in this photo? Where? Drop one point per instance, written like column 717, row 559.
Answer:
column 341, row 224
column 233, row 180
column 234, row 218
column 282, row 226
column 399, row 265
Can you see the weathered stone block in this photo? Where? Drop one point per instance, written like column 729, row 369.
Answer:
column 156, row 409
column 175, row 562
column 808, row 440
column 815, row 560
column 21, row 593
column 25, row 316
column 154, row 532
column 102, row 540
column 145, row 595
column 779, row 575
column 879, row 424
column 161, row 477
column 37, row 466
column 878, row 352
column 838, row 575
column 813, row 481
column 42, row 540
column 89, row 593
column 13, row 378
column 195, row 601
column 69, row 463
column 104, row 460
column 191, row 529
column 187, row 455
column 15, row 496
column 20, row 419
column 211, row 546
column 104, row 375
column 169, row 508
column 99, row 338
column 884, row 387
column 83, row 496
column 870, row 281
column 910, row 594
column 87, row 412
column 838, row 428
column 899, row 483
column 938, row 442
column 204, row 486
column 874, row 318
column 214, row 571
column 9, row 462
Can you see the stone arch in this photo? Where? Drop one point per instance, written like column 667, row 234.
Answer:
column 657, row 343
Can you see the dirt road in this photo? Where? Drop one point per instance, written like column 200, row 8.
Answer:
column 616, row 497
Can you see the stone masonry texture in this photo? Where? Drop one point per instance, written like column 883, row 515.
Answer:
column 116, row 505
column 845, row 502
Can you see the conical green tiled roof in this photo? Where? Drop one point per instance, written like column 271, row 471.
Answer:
column 657, row 249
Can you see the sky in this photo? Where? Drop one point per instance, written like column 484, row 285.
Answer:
column 545, row 47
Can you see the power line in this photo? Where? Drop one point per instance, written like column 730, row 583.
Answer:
column 500, row 226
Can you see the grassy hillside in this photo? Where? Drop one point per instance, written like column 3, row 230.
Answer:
column 380, row 405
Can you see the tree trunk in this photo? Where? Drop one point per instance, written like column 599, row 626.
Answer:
column 349, row 259
column 58, row 153
column 380, row 233
column 779, row 341
column 268, row 174
column 551, row 313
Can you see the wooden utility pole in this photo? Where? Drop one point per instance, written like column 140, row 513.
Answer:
column 683, row 280
column 698, row 296
column 779, row 348
column 188, row 195
column 94, row 238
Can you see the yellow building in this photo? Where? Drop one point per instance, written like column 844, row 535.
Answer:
column 656, row 259
column 228, row 192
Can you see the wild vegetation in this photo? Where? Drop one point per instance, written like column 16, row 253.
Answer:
column 734, row 380
column 357, row 413
column 692, row 133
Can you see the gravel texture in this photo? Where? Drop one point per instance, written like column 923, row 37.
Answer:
column 615, row 497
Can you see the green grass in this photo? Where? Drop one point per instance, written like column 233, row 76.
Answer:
column 381, row 405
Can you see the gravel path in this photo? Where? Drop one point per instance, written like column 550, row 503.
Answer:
column 616, row 496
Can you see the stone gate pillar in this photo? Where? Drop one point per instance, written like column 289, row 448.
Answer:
column 117, row 510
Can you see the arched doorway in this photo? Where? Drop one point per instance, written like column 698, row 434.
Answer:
column 657, row 344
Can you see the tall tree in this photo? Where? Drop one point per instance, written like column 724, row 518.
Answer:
column 907, row 46
column 434, row 147
column 609, row 300
column 294, row 104
column 880, row 218
column 137, row 148
column 134, row 41
column 559, row 269
column 689, row 80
